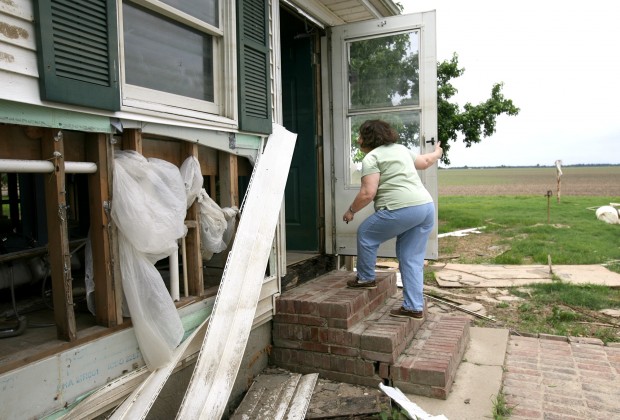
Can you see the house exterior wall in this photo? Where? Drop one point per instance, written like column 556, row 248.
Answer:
column 18, row 60
column 58, row 381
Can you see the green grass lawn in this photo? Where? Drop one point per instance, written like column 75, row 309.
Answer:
column 568, row 231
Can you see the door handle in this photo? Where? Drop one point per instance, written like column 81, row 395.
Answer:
column 431, row 141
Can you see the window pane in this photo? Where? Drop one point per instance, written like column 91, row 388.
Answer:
column 384, row 72
column 205, row 10
column 406, row 124
column 163, row 55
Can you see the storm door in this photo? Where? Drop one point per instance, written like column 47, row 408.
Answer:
column 384, row 69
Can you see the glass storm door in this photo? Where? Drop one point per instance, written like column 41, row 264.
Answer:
column 386, row 69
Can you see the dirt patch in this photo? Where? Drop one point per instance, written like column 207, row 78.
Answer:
column 470, row 248
column 339, row 400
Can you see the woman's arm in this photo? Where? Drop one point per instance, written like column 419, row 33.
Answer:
column 428, row 159
column 367, row 192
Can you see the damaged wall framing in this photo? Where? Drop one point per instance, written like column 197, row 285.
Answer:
column 221, row 171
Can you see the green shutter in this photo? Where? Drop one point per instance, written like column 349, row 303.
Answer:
column 254, row 86
column 77, row 47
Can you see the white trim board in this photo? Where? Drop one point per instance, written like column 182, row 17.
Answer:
column 235, row 305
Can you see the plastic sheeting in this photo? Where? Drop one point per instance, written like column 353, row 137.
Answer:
column 151, row 198
column 608, row 214
column 216, row 225
column 149, row 208
column 192, row 179
column 149, row 204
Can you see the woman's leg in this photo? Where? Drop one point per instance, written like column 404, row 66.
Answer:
column 410, row 251
column 376, row 229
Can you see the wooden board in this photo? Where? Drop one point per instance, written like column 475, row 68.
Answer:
column 235, row 305
column 276, row 394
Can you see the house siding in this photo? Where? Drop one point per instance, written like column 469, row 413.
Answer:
column 18, row 60
column 57, row 381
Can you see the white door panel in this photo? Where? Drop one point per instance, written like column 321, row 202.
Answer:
column 387, row 69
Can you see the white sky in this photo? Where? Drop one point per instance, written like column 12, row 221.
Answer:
column 560, row 64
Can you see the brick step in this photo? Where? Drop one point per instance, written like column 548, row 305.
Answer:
column 327, row 302
column 428, row 365
column 347, row 335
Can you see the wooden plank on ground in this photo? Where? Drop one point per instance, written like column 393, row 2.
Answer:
column 231, row 322
column 301, row 400
column 277, row 395
column 268, row 397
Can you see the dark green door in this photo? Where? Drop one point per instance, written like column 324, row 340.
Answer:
column 299, row 116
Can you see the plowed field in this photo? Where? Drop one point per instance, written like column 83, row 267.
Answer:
column 599, row 181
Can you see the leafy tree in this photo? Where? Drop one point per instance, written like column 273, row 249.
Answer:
column 474, row 121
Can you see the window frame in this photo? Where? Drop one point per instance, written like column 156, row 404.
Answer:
column 225, row 94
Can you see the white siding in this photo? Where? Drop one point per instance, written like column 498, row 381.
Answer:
column 18, row 60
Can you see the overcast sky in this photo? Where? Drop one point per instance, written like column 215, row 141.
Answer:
column 560, row 64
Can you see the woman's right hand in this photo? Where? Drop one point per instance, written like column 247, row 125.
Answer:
column 438, row 150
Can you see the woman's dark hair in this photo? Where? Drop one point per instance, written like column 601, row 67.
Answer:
column 376, row 133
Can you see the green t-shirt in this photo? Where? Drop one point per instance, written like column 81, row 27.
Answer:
column 399, row 183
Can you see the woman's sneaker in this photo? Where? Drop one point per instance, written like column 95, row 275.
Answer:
column 406, row 313
column 357, row 284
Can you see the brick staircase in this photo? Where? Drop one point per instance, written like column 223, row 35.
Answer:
column 347, row 335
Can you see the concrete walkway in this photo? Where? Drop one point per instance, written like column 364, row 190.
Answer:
column 489, row 275
column 478, row 379
column 547, row 377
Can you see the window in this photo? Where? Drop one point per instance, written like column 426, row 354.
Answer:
column 178, row 58
column 384, row 83
column 171, row 53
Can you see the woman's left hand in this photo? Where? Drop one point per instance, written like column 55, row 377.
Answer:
column 348, row 216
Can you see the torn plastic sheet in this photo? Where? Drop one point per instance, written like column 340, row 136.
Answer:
column 192, row 179
column 216, row 225
column 149, row 208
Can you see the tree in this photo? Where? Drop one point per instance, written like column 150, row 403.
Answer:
column 474, row 121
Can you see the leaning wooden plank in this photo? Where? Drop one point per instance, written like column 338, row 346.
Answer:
column 138, row 404
column 106, row 397
column 235, row 304
column 301, row 400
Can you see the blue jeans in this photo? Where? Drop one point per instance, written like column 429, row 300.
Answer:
column 411, row 226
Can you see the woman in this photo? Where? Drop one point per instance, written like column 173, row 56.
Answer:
column 403, row 209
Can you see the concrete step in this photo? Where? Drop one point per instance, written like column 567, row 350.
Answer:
column 347, row 335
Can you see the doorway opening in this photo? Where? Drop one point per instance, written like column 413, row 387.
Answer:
column 301, row 110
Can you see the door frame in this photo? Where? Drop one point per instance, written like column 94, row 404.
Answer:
column 334, row 93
